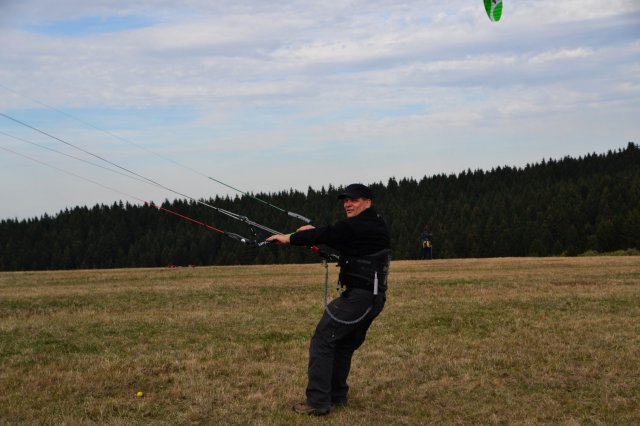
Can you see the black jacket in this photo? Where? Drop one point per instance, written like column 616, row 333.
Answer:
column 353, row 237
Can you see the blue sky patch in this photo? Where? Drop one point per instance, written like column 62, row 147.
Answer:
column 89, row 25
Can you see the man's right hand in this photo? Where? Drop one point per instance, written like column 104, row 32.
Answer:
column 280, row 239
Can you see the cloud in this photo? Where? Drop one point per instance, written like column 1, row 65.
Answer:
column 247, row 88
column 556, row 55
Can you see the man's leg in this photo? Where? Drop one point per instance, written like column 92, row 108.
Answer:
column 320, row 369
column 342, row 362
column 344, row 349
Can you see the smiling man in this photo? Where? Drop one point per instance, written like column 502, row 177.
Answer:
column 362, row 239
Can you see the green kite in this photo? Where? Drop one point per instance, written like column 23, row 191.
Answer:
column 494, row 9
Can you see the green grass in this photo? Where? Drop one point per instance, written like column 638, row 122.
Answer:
column 463, row 342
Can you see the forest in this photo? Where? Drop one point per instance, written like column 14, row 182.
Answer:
column 557, row 207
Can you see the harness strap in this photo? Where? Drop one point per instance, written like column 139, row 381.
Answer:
column 372, row 269
column 375, row 283
column 326, row 304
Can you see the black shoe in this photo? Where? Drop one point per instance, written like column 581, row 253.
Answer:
column 339, row 404
column 303, row 408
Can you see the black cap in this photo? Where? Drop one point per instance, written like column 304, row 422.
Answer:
column 356, row 190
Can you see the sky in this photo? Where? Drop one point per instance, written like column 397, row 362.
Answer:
column 280, row 95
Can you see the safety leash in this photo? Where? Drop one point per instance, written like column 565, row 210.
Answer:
column 326, row 303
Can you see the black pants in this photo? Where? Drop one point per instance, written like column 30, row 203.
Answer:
column 427, row 253
column 333, row 344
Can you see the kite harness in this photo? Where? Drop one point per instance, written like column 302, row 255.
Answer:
column 372, row 271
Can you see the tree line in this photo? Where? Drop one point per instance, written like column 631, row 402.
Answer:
column 567, row 206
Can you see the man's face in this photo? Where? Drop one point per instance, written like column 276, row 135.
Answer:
column 354, row 206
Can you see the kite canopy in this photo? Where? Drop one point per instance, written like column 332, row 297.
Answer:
column 494, row 9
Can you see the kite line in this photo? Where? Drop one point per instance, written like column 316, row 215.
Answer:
column 231, row 235
column 169, row 159
column 131, row 174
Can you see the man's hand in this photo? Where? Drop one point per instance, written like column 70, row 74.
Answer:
column 280, row 239
column 285, row 239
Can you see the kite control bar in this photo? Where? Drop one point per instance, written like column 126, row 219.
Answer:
column 329, row 257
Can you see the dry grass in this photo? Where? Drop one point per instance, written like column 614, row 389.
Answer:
column 491, row 341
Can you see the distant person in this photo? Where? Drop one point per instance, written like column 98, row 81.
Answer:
column 427, row 245
column 362, row 239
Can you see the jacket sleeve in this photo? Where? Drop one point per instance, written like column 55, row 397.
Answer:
column 334, row 235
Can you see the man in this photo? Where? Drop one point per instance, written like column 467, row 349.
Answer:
column 362, row 239
column 427, row 244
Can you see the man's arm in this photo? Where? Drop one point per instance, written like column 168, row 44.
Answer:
column 286, row 239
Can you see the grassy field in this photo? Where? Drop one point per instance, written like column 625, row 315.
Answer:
column 461, row 342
